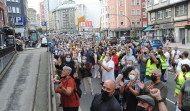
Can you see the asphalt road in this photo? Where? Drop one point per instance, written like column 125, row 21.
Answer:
column 18, row 87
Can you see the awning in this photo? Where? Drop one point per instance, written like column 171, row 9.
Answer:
column 148, row 28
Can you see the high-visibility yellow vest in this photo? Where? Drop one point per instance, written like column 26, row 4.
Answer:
column 180, row 81
column 102, row 58
column 163, row 62
column 118, row 54
column 150, row 67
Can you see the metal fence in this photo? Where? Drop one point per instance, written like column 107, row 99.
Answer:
column 6, row 51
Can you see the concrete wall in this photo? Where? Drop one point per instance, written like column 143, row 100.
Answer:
column 5, row 60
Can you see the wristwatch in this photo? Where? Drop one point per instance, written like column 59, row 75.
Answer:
column 161, row 100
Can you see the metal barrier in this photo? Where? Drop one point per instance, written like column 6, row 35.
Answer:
column 6, row 51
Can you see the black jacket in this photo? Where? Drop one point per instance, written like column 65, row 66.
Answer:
column 107, row 105
column 85, row 72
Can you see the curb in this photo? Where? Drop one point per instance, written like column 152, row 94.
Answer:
column 8, row 66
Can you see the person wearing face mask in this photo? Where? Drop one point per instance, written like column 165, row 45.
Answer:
column 175, row 55
column 67, row 89
column 115, row 60
column 180, row 79
column 184, row 60
column 86, row 74
column 143, row 64
column 167, row 55
column 107, row 68
column 69, row 62
column 102, row 58
column 163, row 63
column 130, row 91
column 154, row 83
column 122, row 54
column 106, row 101
column 128, row 56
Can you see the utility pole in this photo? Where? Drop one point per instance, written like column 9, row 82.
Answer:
column 13, row 33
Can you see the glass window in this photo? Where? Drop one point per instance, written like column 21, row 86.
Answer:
column 185, row 9
column 138, row 2
column 132, row 12
column 121, row 22
column 160, row 14
column 181, row 10
column 121, row 13
column 152, row 16
column 121, row 3
column 144, row 24
column 133, row 22
column 132, row 2
column 144, row 14
column 168, row 13
column 14, row 10
column 9, row 9
column 138, row 22
column 17, row 10
column 156, row 2
column 163, row 0
column 144, row 5
column 138, row 12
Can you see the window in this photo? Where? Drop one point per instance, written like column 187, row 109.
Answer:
column 17, row 10
column 144, row 14
column 149, row 3
column 132, row 2
column 181, row 10
column 138, row 22
column 121, row 22
column 132, row 12
column 144, row 5
column 138, row 2
column 152, row 16
column 121, row 3
column 133, row 22
column 156, row 2
column 163, row 0
column 121, row 13
column 138, row 12
column 14, row 10
column 8, row 0
column 9, row 9
column 160, row 14
column 144, row 24
column 168, row 13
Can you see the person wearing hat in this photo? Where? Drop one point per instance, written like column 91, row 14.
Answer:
column 147, row 103
column 68, row 91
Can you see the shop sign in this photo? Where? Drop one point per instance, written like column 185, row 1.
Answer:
column 181, row 24
column 189, row 21
column 167, row 26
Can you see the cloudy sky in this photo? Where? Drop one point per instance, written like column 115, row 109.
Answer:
column 35, row 3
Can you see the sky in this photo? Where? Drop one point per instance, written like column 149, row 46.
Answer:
column 35, row 3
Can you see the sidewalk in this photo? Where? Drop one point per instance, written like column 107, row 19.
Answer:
column 179, row 44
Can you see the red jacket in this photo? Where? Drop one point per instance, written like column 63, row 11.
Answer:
column 115, row 60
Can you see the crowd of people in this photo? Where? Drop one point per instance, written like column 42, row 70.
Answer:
column 125, row 85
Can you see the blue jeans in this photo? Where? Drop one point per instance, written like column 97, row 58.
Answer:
column 162, row 76
column 142, row 76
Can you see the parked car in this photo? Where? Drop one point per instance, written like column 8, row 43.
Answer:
column 155, row 43
column 112, row 40
column 44, row 42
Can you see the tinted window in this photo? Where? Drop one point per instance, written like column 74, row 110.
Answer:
column 156, row 42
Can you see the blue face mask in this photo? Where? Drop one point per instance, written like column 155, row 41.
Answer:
column 128, row 65
column 132, row 77
column 123, row 51
column 83, row 61
column 87, row 48
column 107, row 49
column 68, row 59
column 75, row 61
column 75, row 54
column 94, row 51
column 126, row 82
column 66, row 53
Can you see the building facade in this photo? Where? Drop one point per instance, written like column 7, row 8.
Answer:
column 104, row 18
column 42, row 12
column 51, row 21
column 124, row 17
column 65, row 18
column 18, row 8
column 169, row 18
column 33, row 24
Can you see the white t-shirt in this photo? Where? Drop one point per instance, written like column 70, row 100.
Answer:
column 108, row 75
column 168, row 58
column 178, row 53
column 183, row 61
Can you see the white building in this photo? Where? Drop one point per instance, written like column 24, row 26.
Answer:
column 33, row 23
column 104, row 17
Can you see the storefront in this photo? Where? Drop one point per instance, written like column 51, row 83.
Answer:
column 167, row 30
column 180, row 31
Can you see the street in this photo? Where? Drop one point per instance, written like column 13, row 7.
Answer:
column 19, row 92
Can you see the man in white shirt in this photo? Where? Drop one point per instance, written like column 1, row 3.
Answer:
column 107, row 68
column 175, row 52
column 184, row 60
column 167, row 54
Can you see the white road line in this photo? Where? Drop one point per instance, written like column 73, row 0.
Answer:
column 170, row 101
column 80, row 108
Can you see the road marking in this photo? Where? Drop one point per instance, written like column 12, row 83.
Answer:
column 170, row 101
column 80, row 108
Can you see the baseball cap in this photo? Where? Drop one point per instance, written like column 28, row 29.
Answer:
column 147, row 98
